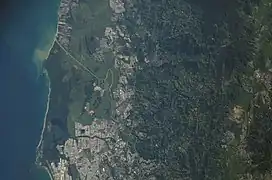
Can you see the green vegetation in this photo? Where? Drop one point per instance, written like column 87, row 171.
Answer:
column 203, row 101
column 203, row 82
column 82, row 76
column 94, row 64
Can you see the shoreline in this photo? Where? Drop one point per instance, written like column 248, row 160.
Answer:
column 55, row 40
column 49, row 83
column 48, row 96
column 40, row 144
column 40, row 160
column 39, row 150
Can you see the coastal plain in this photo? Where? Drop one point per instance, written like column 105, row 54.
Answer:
column 159, row 90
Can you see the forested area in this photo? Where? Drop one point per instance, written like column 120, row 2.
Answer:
column 202, row 107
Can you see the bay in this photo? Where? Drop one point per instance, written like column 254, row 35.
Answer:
column 27, row 30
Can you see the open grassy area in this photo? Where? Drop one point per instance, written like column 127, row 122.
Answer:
column 89, row 21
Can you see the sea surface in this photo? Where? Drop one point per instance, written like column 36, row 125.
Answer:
column 27, row 30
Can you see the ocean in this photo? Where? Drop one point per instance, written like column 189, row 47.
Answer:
column 27, row 30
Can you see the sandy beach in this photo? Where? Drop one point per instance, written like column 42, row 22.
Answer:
column 43, row 54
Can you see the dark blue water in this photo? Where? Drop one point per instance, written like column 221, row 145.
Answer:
column 23, row 28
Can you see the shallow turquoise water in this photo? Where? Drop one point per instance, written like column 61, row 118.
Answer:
column 25, row 26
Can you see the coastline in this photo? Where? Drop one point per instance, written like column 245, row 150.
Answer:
column 47, row 108
column 48, row 96
column 62, row 33
column 39, row 152
column 55, row 40
column 40, row 144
